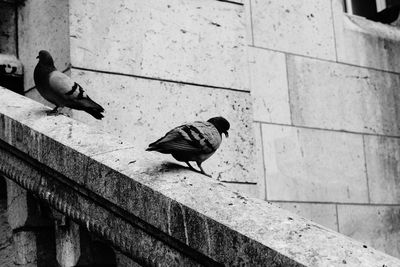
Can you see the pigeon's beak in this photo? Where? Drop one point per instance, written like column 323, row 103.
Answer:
column 37, row 57
column 226, row 134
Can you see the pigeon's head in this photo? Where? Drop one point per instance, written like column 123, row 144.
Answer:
column 221, row 124
column 45, row 58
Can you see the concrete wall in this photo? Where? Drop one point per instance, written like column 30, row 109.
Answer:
column 325, row 90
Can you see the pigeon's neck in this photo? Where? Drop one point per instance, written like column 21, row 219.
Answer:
column 48, row 67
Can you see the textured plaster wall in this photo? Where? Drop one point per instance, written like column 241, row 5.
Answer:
column 325, row 89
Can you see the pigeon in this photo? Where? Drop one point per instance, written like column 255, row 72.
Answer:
column 195, row 141
column 387, row 15
column 59, row 89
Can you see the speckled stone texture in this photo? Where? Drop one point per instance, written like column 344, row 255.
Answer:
column 194, row 209
column 300, row 27
column 6, row 246
column 341, row 97
column 135, row 105
column 314, row 165
column 192, row 41
column 364, row 42
column 8, row 29
column 43, row 25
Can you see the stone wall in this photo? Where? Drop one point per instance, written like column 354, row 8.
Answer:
column 326, row 101
column 6, row 246
column 323, row 108
column 153, row 66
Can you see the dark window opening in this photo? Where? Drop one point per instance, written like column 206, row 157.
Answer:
column 384, row 11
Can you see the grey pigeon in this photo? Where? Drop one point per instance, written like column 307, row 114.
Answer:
column 195, row 141
column 61, row 90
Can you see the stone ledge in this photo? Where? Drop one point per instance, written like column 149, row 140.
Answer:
column 194, row 210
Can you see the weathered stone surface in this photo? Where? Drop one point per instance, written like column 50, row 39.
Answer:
column 135, row 105
column 8, row 29
column 249, row 26
column 376, row 226
column 6, row 245
column 68, row 244
column 324, row 214
column 336, row 96
column 25, row 244
column 34, row 248
column 383, row 168
column 364, row 42
column 299, row 27
column 256, row 189
column 23, row 209
column 200, row 42
column 314, row 165
column 260, row 232
column 269, row 86
column 43, row 25
column 124, row 261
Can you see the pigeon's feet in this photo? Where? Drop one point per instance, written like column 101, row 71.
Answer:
column 202, row 171
column 53, row 112
column 193, row 169
column 190, row 166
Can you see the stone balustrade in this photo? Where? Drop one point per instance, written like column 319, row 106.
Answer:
column 150, row 210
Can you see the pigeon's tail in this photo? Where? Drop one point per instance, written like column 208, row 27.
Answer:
column 94, row 109
column 153, row 147
column 95, row 113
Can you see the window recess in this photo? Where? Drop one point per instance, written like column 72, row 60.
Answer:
column 384, row 11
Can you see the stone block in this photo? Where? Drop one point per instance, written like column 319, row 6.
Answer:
column 124, row 261
column 23, row 208
column 313, row 165
column 383, row 167
column 68, row 244
column 376, row 226
column 6, row 244
column 135, row 105
column 342, row 97
column 364, row 42
column 256, row 189
column 191, row 41
column 25, row 248
column 298, row 27
column 249, row 26
column 34, row 248
column 324, row 214
column 8, row 29
column 43, row 25
column 269, row 86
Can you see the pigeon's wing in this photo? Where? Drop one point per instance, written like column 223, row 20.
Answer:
column 73, row 95
column 196, row 138
column 65, row 86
